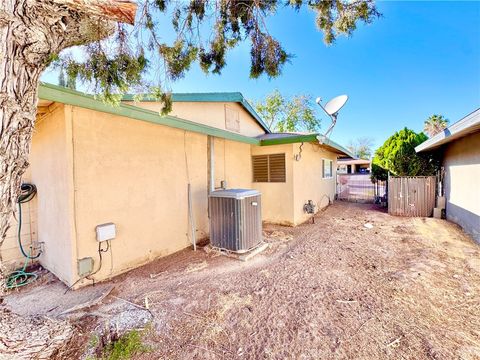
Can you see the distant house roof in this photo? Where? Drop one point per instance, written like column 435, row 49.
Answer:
column 465, row 126
column 291, row 138
column 212, row 97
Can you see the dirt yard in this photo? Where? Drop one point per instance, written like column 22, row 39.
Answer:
column 403, row 289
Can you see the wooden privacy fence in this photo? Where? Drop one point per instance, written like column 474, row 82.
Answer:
column 411, row 195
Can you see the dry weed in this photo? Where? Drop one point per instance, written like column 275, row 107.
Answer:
column 196, row 267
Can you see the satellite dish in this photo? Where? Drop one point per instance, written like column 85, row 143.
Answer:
column 334, row 105
column 331, row 108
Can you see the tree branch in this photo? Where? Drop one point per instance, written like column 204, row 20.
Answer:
column 115, row 10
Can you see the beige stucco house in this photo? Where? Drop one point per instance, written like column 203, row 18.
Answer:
column 459, row 147
column 94, row 164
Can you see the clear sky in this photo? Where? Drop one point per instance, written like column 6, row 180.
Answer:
column 419, row 59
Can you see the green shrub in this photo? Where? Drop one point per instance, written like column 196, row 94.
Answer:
column 397, row 156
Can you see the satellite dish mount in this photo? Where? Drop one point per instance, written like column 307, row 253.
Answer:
column 332, row 108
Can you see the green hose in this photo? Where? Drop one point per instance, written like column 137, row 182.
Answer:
column 21, row 277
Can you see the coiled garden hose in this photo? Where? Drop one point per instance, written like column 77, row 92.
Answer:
column 21, row 277
column 27, row 193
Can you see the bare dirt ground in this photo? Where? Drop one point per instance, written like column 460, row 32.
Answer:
column 407, row 288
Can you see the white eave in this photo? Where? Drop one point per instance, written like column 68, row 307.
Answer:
column 353, row 162
column 468, row 125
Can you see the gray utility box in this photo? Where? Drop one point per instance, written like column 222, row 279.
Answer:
column 235, row 219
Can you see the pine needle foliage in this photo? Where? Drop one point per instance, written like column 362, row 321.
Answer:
column 170, row 36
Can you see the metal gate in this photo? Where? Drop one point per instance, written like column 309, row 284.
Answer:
column 359, row 188
column 411, row 195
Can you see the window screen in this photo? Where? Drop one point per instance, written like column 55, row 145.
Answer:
column 327, row 166
column 269, row 168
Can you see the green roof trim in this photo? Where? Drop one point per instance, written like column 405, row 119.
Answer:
column 208, row 97
column 290, row 139
column 305, row 138
column 339, row 147
column 211, row 97
column 71, row 97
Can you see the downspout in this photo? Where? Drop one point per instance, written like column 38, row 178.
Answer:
column 211, row 163
column 210, row 168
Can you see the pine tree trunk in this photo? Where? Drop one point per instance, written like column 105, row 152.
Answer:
column 19, row 79
column 17, row 116
column 31, row 33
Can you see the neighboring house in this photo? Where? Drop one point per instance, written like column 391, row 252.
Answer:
column 353, row 166
column 95, row 164
column 459, row 147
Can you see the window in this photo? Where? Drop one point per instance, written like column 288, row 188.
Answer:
column 269, row 168
column 327, row 166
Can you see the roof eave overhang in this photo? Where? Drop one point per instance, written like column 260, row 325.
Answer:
column 327, row 143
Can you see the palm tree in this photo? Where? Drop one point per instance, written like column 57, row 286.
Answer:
column 435, row 124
